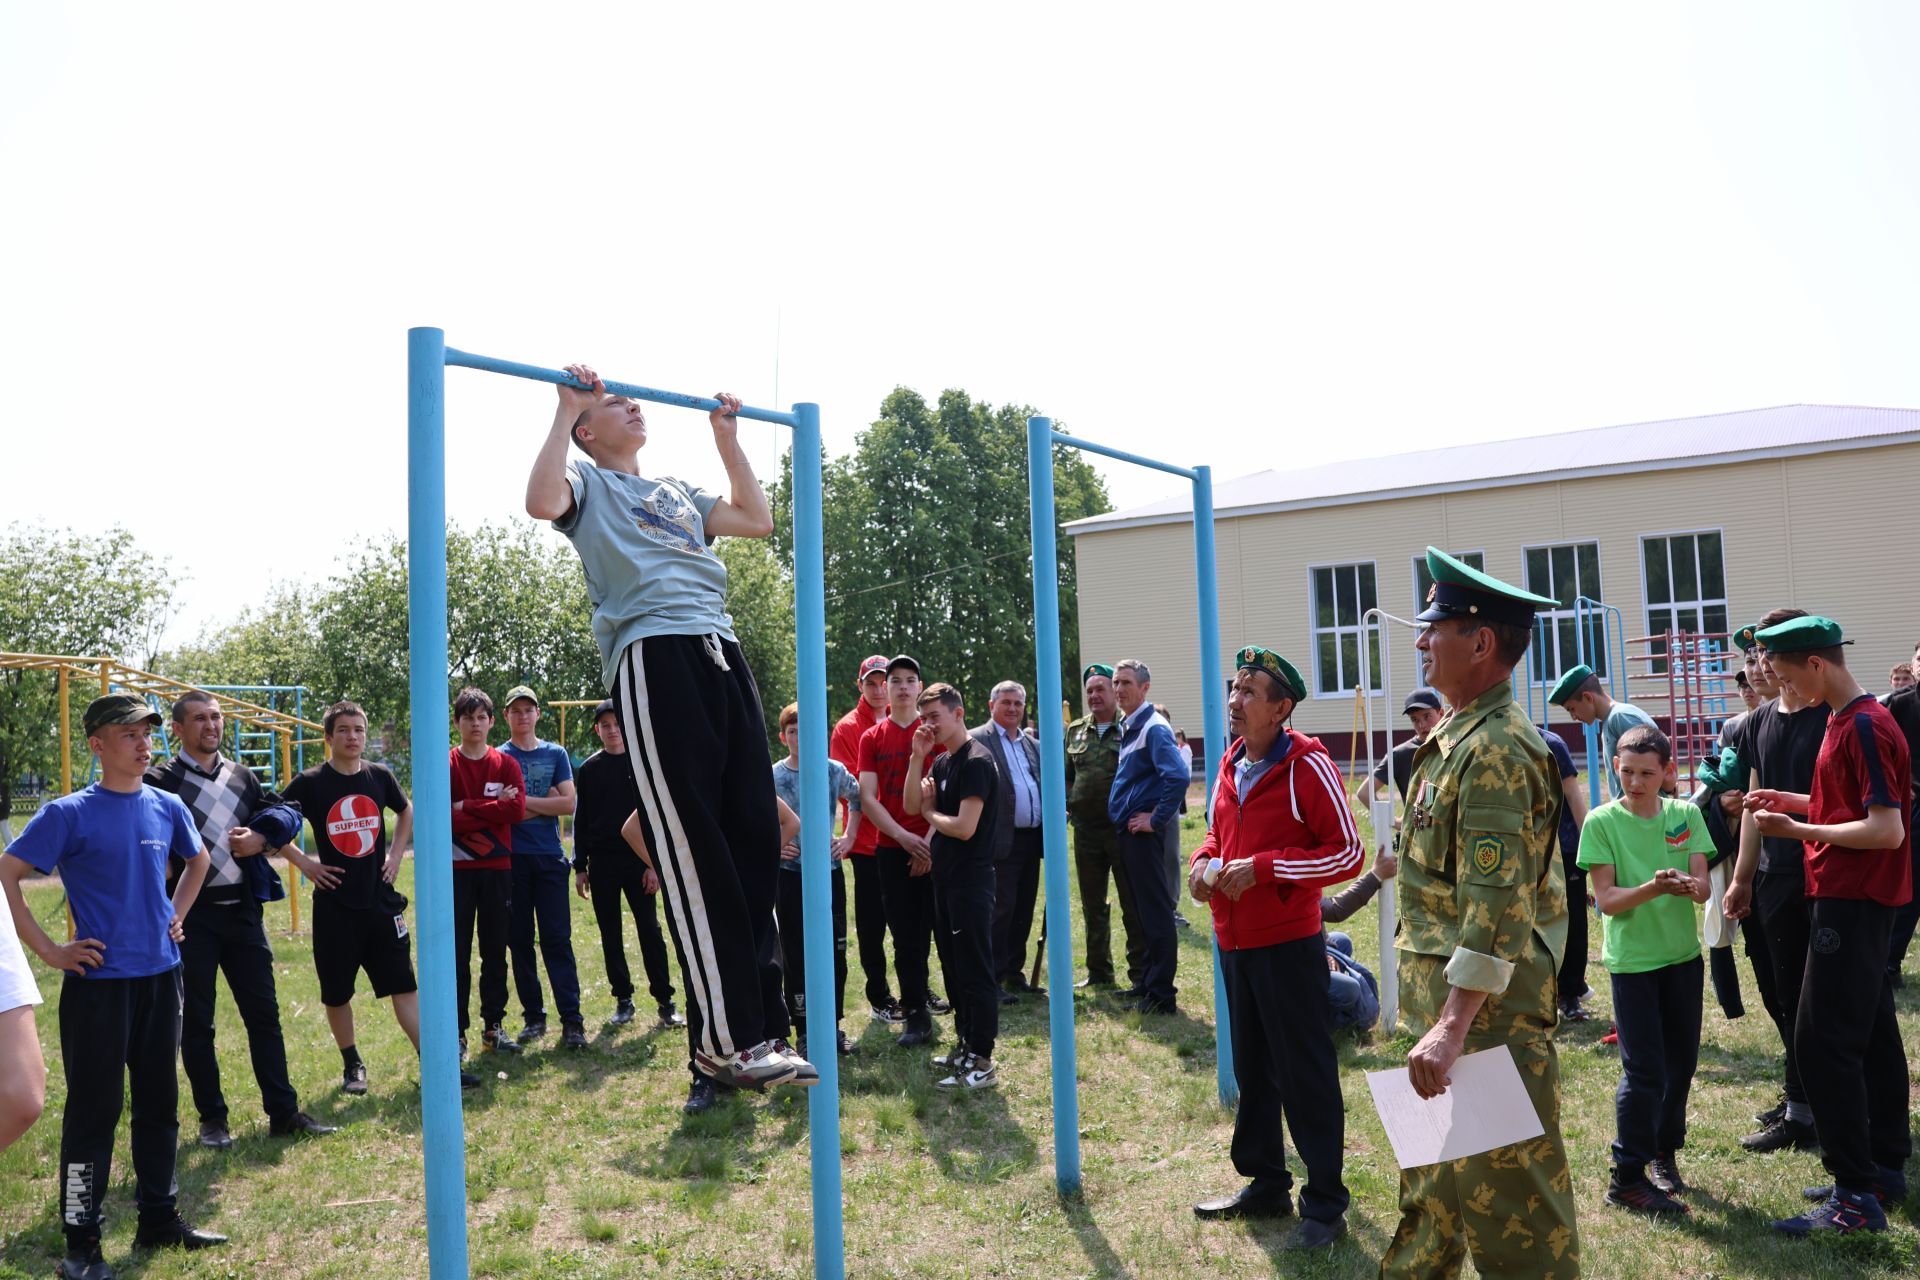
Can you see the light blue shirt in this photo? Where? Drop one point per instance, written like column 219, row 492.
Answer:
column 1623, row 717
column 650, row 568
column 1246, row 772
column 1026, row 789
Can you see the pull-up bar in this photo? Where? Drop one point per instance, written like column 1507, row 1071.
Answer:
column 444, row 1138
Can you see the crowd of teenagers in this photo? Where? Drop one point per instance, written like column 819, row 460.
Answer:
column 1797, row 840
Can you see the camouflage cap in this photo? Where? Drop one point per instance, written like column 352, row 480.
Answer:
column 118, row 708
column 1253, row 657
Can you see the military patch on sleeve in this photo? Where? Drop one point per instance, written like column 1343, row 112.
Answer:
column 1487, row 853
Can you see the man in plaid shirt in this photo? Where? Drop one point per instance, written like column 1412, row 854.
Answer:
column 240, row 823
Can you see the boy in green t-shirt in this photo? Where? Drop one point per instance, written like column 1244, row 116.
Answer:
column 1646, row 858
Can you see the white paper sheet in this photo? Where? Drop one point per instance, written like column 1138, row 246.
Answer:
column 1485, row 1107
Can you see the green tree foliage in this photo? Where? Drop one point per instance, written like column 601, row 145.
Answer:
column 928, row 548
column 760, row 600
column 67, row 594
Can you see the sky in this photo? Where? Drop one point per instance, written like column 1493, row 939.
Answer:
column 1250, row 236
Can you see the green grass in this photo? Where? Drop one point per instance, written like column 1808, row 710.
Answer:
column 582, row 1165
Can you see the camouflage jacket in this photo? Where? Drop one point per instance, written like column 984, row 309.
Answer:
column 1483, row 898
column 1092, row 759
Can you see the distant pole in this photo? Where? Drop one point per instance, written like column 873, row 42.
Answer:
column 1214, row 721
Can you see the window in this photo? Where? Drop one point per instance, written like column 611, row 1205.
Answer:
column 1342, row 594
column 1423, row 581
column 1564, row 572
column 1686, row 586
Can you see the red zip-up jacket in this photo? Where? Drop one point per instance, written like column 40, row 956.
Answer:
column 1298, row 827
column 483, row 824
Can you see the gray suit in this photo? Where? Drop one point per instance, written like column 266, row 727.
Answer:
column 1016, row 861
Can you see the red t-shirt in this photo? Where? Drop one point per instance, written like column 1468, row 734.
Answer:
column 483, row 824
column 885, row 751
column 1863, row 762
column 844, row 746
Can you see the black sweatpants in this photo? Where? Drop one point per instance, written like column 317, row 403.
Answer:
column 231, row 939
column 690, row 713
column 1095, row 857
column 1573, row 964
column 1016, row 885
column 909, row 902
column 611, row 876
column 793, row 944
column 541, row 889
column 1657, row 1014
column 483, row 899
column 963, row 921
column 1284, row 1061
column 1849, row 1043
column 1781, row 903
column 870, row 927
column 1143, row 854
column 117, row 1038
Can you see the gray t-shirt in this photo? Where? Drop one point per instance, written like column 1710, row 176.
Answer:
column 650, row 567
column 1623, row 717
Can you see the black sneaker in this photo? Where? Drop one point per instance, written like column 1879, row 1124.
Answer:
column 1843, row 1212
column 670, row 1016
column 700, row 1097
column 496, row 1039
column 83, row 1260
column 1889, row 1187
column 213, row 1133
column 299, row 1124
column 354, row 1081
column 919, row 1030
column 1639, row 1195
column 1778, row 1111
column 172, row 1232
column 535, row 1029
column 888, row 1012
column 938, row 1004
column 622, row 1014
column 573, row 1034
column 847, row 1045
column 1574, row 1011
column 1663, row 1171
column 1782, row 1134
column 468, row 1080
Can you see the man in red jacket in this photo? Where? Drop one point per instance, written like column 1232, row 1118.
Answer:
column 1280, row 831
column 869, row 911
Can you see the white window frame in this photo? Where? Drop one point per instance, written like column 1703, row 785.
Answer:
column 1315, row 630
column 1658, row 666
column 1600, row 568
column 1420, row 562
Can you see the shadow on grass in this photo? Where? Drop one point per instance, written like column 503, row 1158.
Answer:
column 1746, row 1244
column 970, row 1134
column 727, row 1147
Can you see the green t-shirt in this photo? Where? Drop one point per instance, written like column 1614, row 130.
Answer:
column 1666, row 930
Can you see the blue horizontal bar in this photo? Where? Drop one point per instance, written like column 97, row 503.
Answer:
column 1075, row 442
column 533, row 372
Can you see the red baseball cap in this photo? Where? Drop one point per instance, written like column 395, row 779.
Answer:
column 869, row 666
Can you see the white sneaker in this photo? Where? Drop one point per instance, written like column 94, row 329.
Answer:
column 976, row 1073
column 952, row 1059
column 804, row 1073
column 755, row 1068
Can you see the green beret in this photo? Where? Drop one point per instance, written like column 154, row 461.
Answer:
column 1728, row 773
column 1096, row 669
column 1255, row 658
column 1462, row 591
column 1743, row 638
column 1798, row 635
column 1570, row 684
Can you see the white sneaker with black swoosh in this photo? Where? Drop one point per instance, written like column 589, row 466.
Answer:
column 975, row 1073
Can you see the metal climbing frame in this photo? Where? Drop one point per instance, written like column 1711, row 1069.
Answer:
column 1041, row 438
column 1380, row 812
column 428, row 357
column 1688, row 670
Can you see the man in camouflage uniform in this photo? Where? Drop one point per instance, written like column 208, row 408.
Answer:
column 1093, row 755
column 1483, row 922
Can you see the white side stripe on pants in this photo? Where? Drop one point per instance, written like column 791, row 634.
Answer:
column 680, row 879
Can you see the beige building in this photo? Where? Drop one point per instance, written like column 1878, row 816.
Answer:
column 1696, row 523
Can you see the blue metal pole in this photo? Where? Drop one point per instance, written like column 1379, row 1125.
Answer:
column 1108, row 451
column 535, row 373
column 1053, row 793
column 816, row 832
column 1213, row 713
column 444, row 1135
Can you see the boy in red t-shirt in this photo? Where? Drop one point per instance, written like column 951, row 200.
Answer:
column 489, row 796
column 869, row 910
column 1856, row 833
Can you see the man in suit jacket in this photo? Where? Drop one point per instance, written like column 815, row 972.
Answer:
column 1017, row 843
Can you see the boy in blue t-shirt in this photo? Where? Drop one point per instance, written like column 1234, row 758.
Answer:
column 840, row 786
column 120, row 1004
column 1646, row 857
column 540, row 877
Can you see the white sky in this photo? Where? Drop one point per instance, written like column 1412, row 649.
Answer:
column 1249, row 235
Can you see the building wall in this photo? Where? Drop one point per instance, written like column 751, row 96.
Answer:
column 1832, row 533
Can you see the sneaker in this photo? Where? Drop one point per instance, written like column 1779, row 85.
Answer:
column 701, row 1096
column 535, row 1029
column 213, row 1133
column 299, row 1124
column 952, row 1058
column 172, row 1232
column 754, row 1068
column 1639, row 1195
column 354, row 1080
column 496, row 1039
column 1778, row 1111
column 622, row 1014
column 573, row 1034
column 804, row 1072
column 670, row 1016
column 1889, row 1187
column 1782, row 1134
column 1842, row 1212
column 938, row 1004
column 847, row 1045
column 974, row 1073
column 888, row 1012
column 919, row 1030
column 1574, row 1011
column 468, row 1080
column 1663, row 1171
column 83, row 1260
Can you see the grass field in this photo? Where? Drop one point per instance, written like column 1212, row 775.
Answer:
column 581, row 1164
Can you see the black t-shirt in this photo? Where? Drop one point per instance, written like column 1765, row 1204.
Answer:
column 1904, row 707
column 606, row 794
column 349, row 833
column 958, row 775
column 1783, row 747
column 1400, row 760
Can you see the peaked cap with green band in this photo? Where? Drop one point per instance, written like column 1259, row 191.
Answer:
column 1570, row 684
column 1255, row 658
column 1462, row 591
column 1798, row 635
column 1096, row 669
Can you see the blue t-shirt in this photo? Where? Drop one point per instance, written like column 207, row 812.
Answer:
column 840, row 786
column 1563, row 760
column 1623, row 717
column 650, row 567
column 111, row 848
column 542, row 767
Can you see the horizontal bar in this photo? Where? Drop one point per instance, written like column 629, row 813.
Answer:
column 1075, row 442
column 534, row 373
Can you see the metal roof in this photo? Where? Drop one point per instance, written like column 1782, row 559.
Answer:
column 1784, row 431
